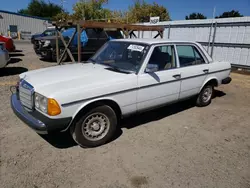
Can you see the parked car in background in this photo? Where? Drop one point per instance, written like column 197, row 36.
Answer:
column 9, row 43
column 4, row 55
column 125, row 76
column 47, row 32
column 91, row 41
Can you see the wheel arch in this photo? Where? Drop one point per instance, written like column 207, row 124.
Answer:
column 94, row 103
column 213, row 80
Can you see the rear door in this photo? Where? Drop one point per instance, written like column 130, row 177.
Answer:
column 193, row 67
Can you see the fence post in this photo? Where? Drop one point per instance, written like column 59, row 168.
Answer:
column 57, row 45
column 169, row 27
column 209, row 37
column 212, row 50
column 19, row 35
column 79, row 31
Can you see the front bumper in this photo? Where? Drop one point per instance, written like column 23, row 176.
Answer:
column 12, row 48
column 37, row 121
column 32, row 40
column 44, row 53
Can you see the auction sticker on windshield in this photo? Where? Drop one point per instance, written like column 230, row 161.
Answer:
column 134, row 47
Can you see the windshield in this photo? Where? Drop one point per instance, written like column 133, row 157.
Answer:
column 49, row 32
column 123, row 56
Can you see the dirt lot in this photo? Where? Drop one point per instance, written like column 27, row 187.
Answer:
column 176, row 146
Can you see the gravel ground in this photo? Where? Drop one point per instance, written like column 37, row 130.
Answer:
column 176, row 146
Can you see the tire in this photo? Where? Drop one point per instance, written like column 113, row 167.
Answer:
column 205, row 96
column 53, row 55
column 96, row 127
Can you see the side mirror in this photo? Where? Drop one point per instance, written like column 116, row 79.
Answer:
column 151, row 68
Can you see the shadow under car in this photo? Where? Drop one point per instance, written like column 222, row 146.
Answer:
column 64, row 140
column 10, row 71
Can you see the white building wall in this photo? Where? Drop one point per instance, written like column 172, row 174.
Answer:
column 232, row 37
column 24, row 23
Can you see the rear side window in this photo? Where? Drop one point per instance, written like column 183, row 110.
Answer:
column 189, row 55
column 96, row 33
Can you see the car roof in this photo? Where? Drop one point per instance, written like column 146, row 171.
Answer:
column 152, row 41
column 50, row 29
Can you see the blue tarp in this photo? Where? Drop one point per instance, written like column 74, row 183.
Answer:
column 84, row 38
column 69, row 32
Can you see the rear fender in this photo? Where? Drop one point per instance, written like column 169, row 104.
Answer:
column 212, row 78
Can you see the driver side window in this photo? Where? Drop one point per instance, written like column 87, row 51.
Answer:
column 163, row 57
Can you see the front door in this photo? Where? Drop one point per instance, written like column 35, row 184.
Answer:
column 161, row 86
column 194, row 70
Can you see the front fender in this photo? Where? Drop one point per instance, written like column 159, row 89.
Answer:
column 85, row 104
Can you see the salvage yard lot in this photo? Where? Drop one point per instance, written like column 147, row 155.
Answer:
column 176, row 146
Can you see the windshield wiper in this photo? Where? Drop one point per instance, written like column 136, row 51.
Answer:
column 92, row 60
column 119, row 69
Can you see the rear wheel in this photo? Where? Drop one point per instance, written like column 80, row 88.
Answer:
column 96, row 127
column 205, row 96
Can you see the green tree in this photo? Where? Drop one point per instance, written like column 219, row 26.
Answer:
column 118, row 16
column 91, row 10
column 195, row 16
column 62, row 16
column 41, row 9
column 141, row 11
column 229, row 14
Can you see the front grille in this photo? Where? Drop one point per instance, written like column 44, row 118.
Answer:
column 26, row 92
column 38, row 44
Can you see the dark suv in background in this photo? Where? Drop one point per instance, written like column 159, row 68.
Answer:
column 91, row 41
column 47, row 32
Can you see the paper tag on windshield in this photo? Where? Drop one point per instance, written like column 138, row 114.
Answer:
column 135, row 47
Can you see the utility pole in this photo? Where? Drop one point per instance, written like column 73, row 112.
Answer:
column 210, row 32
column 62, row 4
column 84, row 5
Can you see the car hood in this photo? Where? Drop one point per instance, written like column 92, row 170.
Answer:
column 37, row 35
column 46, row 38
column 73, row 78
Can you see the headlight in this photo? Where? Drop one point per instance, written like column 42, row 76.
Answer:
column 41, row 103
column 47, row 105
column 46, row 43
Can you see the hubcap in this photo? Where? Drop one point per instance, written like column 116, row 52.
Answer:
column 95, row 126
column 207, row 94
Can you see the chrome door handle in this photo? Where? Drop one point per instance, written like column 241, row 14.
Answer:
column 206, row 70
column 177, row 76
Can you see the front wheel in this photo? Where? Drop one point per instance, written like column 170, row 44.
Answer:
column 53, row 57
column 96, row 127
column 205, row 96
